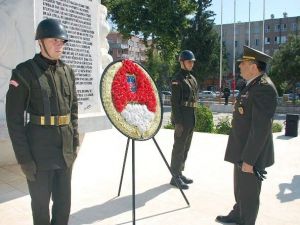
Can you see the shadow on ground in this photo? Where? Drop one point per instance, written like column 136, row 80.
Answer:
column 289, row 191
column 118, row 205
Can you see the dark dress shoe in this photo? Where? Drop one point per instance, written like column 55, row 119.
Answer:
column 180, row 183
column 186, row 180
column 225, row 219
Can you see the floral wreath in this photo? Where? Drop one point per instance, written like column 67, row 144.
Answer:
column 130, row 99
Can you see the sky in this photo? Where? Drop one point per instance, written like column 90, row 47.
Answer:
column 276, row 7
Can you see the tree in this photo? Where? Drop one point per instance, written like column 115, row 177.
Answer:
column 285, row 66
column 161, row 21
column 203, row 40
column 159, row 70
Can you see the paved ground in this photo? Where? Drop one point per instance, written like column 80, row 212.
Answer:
column 97, row 174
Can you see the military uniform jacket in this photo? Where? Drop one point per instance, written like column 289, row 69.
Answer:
column 49, row 146
column 251, row 139
column 184, row 95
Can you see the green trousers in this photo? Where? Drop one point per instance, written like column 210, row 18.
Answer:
column 246, row 192
column 55, row 184
column 180, row 150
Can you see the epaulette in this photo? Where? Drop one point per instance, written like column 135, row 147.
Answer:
column 263, row 80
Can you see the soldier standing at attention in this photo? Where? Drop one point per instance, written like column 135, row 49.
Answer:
column 45, row 146
column 250, row 143
column 184, row 101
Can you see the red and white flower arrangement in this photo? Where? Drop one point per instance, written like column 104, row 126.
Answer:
column 130, row 98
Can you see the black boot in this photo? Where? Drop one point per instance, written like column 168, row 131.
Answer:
column 226, row 219
column 186, row 180
column 180, row 183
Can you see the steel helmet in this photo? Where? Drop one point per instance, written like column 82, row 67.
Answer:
column 187, row 55
column 51, row 28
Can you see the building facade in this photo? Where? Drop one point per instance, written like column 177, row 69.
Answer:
column 276, row 33
column 121, row 48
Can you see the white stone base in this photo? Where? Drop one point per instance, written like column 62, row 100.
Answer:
column 90, row 122
column 87, row 123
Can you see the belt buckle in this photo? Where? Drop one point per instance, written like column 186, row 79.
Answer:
column 42, row 120
column 63, row 120
column 52, row 120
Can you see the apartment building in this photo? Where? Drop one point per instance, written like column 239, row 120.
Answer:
column 121, row 48
column 276, row 33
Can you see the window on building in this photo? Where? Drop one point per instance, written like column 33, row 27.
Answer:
column 236, row 43
column 267, row 29
column 283, row 39
column 256, row 42
column 294, row 26
column 246, row 42
column 277, row 27
column 267, row 40
column 283, row 27
column 280, row 40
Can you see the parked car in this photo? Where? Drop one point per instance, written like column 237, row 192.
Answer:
column 207, row 94
column 293, row 96
column 218, row 93
column 236, row 93
column 167, row 93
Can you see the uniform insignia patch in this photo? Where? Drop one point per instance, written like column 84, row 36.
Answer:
column 241, row 110
column 263, row 81
column 14, row 83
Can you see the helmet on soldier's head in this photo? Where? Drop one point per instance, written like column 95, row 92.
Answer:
column 187, row 55
column 51, row 28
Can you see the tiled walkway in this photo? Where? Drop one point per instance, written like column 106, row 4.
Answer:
column 97, row 174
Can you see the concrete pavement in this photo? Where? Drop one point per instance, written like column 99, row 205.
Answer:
column 97, row 173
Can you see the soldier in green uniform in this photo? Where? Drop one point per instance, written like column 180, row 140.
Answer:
column 184, row 101
column 250, row 144
column 45, row 141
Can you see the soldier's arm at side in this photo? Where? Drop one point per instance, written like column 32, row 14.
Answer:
column 16, row 99
column 264, row 105
column 74, row 114
column 176, row 100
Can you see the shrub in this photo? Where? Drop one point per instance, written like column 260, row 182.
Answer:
column 223, row 126
column 276, row 127
column 169, row 125
column 204, row 119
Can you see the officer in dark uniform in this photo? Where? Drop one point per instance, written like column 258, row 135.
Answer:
column 45, row 143
column 250, row 143
column 184, row 101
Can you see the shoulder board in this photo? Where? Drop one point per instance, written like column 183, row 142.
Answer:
column 263, row 80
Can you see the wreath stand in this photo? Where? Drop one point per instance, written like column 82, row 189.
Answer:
column 133, row 174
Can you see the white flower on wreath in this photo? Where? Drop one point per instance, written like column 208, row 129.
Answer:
column 138, row 115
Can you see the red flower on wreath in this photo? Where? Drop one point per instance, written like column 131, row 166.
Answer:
column 121, row 90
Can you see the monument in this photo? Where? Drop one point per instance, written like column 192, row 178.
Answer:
column 86, row 52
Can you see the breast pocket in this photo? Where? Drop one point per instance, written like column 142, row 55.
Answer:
column 66, row 90
column 36, row 95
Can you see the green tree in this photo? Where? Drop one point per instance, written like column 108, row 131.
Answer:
column 285, row 66
column 203, row 40
column 160, row 70
column 163, row 22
